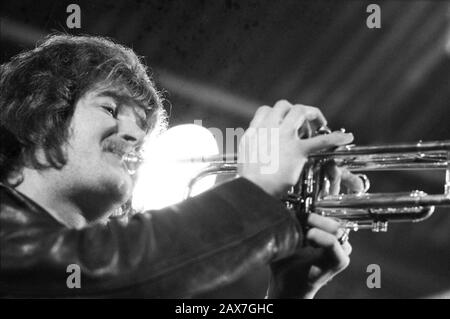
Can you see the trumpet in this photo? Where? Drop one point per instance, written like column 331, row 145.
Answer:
column 363, row 210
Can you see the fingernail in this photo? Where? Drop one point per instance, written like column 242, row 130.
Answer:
column 348, row 134
column 344, row 133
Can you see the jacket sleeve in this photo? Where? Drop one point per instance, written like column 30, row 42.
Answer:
column 170, row 253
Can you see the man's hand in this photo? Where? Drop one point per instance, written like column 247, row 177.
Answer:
column 303, row 274
column 273, row 140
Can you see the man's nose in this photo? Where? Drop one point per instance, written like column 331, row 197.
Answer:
column 130, row 131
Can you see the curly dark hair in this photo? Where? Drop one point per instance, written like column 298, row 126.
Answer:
column 39, row 89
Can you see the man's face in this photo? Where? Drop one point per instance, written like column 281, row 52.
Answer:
column 106, row 124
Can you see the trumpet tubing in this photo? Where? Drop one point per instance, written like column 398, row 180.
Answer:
column 365, row 210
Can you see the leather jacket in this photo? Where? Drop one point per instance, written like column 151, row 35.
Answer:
column 170, row 253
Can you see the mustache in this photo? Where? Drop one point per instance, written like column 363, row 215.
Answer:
column 119, row 147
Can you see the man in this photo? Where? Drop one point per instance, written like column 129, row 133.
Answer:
column 69, row 110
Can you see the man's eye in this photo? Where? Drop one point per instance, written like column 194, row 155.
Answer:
column 110, row 109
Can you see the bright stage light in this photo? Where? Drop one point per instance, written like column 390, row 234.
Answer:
column 162, row 178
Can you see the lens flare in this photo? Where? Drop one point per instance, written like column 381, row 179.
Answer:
column 163, row 176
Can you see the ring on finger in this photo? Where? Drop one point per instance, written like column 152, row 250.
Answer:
column 344, row 237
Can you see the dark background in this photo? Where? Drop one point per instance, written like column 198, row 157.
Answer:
column 220, row 60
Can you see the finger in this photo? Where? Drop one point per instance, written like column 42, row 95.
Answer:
column 325, row 188
column 345, row 244
column 334, row 175
column 334, row 255
column 305, row 130
column 352, row 182
column 294, row 119
column 315, row 115
column 343, row 232
column 327, row 141
column 280, row 110
column 327, row 224
column 260, row 116
column 347, row 247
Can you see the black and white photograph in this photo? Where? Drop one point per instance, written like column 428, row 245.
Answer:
column 225, row 154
